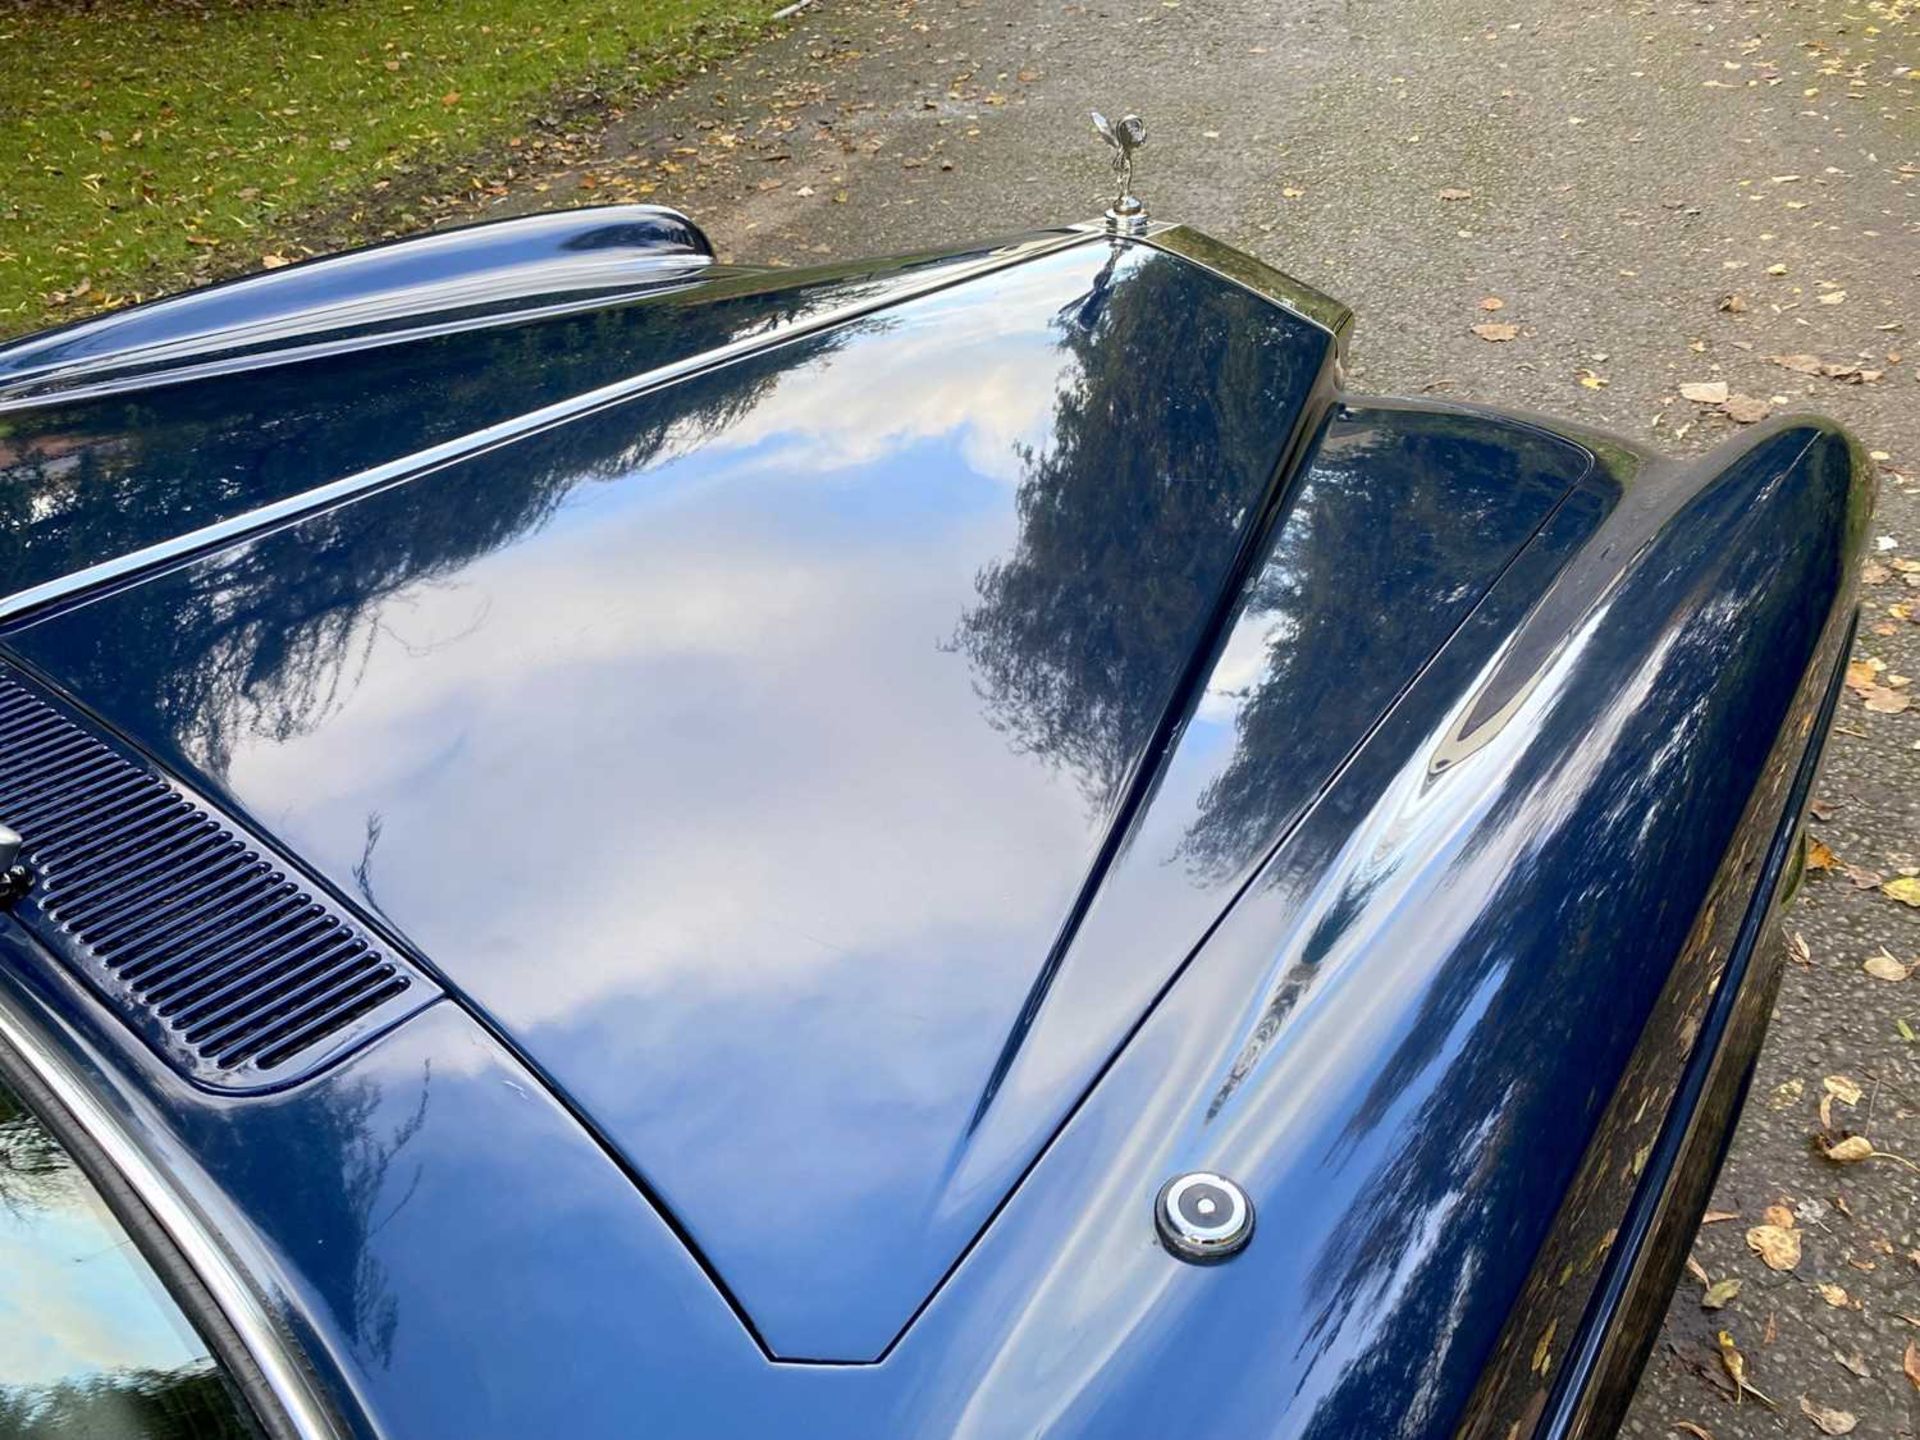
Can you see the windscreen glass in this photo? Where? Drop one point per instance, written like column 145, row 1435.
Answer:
column 91, row 1344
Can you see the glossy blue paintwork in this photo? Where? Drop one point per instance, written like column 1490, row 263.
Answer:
column 87, row 475
column 1481, row 770
column 808, row 702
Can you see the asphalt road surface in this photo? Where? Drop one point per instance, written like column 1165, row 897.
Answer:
column 1614, row 174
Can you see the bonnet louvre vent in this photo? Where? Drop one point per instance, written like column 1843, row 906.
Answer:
column 229, row 963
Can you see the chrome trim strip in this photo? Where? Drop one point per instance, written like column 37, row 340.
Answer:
column 301, row 1405
column 522, row 256
column 477, row 442
column 38, row 391
column 1258, row 276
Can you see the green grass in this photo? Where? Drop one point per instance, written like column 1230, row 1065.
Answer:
column 146, row 143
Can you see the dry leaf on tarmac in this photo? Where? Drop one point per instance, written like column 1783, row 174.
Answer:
column 1492, row 303
column 1838, row 1087
column 1854, row 1149
column 1745, row 409
column 1832, row 1422
column 1687, row 1427
column 1802, row 364
column 1736, row 1365
column 1832, row 1294
column 1910, row 1365
column 1719, row 1293
column 1883, row 701
column 1454, row 192
column 1904, row 888
column 1705, row 392
column 1849, row 1151
column 1884, row 967
column 1496, row 331
column 1776, row 1245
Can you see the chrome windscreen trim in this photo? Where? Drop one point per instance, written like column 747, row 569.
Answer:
column 420, row 462
column 301, row 1405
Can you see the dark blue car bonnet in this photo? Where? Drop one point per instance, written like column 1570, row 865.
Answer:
column 875, row 769
column 751, row 753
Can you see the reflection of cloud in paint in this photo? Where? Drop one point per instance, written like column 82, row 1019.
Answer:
column 695, row 796
column 817, row 884
column 1242, row 665
column 715, row 835
column 77, row 1299
column 834, row 416
column 801, row 702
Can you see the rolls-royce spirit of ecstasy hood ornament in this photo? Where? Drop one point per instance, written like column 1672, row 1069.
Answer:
column 1125, row 135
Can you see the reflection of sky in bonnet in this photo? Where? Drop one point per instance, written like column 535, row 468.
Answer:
column 772, row 679
column 780, row 757
column 77, row 1299
column 741, row 748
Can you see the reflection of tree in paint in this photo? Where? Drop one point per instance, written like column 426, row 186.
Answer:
column 90, row 479
column 354, row 1140
column 1416, row 512
column 250, row 638
column 1484, row 1083
column 1163, row 441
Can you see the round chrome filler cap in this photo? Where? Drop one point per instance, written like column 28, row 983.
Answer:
column 1202, row 1216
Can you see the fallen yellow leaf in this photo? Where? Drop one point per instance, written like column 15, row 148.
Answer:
column 1719, row 1293
column 1904, row 888
column 1843, row 1089
column 1736, row 1364
column 1884, row 967
column 1777, row 1246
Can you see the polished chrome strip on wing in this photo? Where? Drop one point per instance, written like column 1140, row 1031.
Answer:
column 476, row 442
column 521, row 257
column 286, row 1377
column 685, row 273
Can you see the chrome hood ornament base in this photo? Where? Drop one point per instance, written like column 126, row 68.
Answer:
column 1126, row 135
